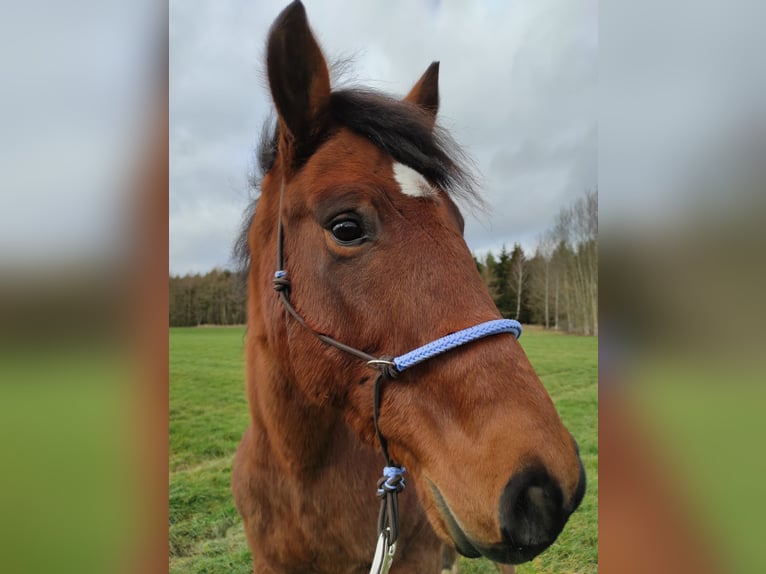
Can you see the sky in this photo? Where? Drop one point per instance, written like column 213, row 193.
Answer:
column 518, row 87
column 72, row 124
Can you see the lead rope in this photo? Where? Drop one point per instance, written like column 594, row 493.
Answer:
column 392, row 482
column 389, row 486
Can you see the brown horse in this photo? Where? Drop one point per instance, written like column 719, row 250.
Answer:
column 357, row 207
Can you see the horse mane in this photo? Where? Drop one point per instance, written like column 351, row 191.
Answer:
column 402, row 130
column 265, row 153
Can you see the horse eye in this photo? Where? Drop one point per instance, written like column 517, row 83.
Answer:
column 347, row 231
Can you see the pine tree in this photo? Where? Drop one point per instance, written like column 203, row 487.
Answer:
column 501, row 283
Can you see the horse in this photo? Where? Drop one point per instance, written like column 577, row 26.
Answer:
column 358, row 270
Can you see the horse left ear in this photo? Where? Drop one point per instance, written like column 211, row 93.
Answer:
column 299, row 80
column 425, row 92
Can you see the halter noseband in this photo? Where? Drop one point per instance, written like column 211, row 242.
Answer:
column 392, row 482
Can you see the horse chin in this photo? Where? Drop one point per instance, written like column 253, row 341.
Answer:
column 470, row 548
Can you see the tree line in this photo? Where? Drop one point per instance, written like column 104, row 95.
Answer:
column 215, row 298
column 556, row 286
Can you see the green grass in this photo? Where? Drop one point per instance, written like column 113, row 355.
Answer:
column 208, row 413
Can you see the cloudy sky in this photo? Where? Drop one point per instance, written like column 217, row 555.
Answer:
column 518, row 85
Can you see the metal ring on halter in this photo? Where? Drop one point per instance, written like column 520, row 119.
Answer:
column 377, row 363
column 385, row 365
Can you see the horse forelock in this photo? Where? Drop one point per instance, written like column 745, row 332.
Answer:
column 402, row 130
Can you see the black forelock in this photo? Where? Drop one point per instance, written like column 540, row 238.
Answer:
column 401, row 129
column 406, row 132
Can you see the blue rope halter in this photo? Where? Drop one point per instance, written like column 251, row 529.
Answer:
column 444, row 344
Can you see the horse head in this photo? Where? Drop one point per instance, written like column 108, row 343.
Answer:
column 366, row 188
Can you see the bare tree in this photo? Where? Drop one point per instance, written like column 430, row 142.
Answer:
column 518, row 277
column 546, row 245
column 570, row 272
column 584, row 239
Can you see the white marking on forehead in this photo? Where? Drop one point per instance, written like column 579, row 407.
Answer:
column 411, row 182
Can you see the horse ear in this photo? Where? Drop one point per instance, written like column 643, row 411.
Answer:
column 425, row 92
column 298, row 78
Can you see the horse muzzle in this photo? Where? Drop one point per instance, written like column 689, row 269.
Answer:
column 531, row 512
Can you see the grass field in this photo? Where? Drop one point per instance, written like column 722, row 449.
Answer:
column 208, row 413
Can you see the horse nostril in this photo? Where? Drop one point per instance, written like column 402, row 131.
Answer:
column 532, row 512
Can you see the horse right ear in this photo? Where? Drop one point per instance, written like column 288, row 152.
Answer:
column 299, row 81
column 425, row 93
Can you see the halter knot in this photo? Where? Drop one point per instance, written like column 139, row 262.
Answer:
column 280, row 281
column 391, row 481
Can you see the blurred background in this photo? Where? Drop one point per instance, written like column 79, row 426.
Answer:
column 682, row 136
column 84, row 281
column 83, row 264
